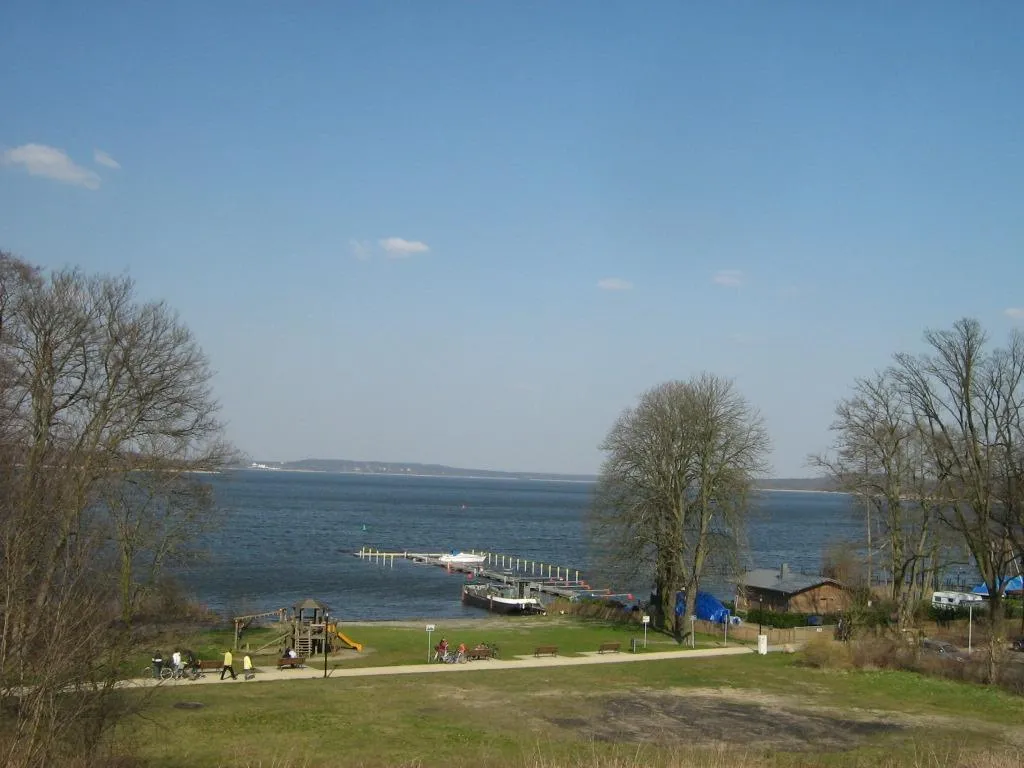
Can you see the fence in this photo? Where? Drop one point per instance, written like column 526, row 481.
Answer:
column 748, row 632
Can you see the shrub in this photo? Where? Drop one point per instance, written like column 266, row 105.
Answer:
column 823, row 652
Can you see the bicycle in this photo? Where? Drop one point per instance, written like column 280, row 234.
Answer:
column 170, row 673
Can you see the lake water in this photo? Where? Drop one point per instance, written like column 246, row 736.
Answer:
column 290, row 535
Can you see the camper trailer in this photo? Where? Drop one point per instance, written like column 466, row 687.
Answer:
column 953, row 600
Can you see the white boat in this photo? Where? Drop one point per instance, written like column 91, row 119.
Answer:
column 461, row 558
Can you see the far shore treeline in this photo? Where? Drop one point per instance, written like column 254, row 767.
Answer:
column 441, row 470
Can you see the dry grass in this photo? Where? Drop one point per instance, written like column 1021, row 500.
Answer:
column 720, row 757
column 822, row 652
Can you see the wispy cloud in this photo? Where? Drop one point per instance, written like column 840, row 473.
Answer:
column 1015, row 313
column 102, row 158
column 361, row 249
column 730, row 278
column 614, row 284
column 399, row 247
column 51, row 163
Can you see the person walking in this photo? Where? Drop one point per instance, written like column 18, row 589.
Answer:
column 228, row 661
column 176, row 663
column 250, row 673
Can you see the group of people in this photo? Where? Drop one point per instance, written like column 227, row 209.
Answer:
column 444, row 654
column 179, row 661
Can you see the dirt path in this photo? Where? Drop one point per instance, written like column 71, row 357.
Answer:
column 311, row 672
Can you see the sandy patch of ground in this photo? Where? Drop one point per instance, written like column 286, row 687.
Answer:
column 712, row 717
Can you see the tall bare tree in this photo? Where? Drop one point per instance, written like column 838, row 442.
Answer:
column 675, row 486
column 99, row 393
column 880, row 456
column 967, row 400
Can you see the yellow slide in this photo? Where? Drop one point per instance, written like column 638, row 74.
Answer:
column 346, row 640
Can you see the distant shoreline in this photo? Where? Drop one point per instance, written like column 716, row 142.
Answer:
column 524, row 477
column 357, row 473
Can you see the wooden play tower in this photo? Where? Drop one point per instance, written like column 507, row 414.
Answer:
column 306, row 628
column 309, row 627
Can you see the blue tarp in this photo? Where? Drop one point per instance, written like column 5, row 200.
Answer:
column 709, row 607
column 1011, row 585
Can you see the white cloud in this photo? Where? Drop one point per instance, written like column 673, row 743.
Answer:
column 360, row 249
column 614, row 284
column 102, row 158
column 51, row 163
column 1015, row 313
column 398, row 247
column 730, row 278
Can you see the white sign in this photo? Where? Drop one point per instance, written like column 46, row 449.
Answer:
column 646, row 619
column 430, row 627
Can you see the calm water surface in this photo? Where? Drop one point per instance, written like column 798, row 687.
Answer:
column 291, row 535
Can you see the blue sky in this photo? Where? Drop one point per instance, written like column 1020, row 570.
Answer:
column 473, row 232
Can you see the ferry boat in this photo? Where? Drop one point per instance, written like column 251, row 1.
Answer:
column 498, row 600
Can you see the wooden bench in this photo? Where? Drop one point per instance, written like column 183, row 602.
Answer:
column 545, row 650
column 206, row 665
column 612, row 647
column 475, row 654
column 287, row 661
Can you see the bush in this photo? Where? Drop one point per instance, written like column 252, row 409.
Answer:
column 823, row 652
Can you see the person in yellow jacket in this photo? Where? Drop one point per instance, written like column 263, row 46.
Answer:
column 250, row 673
column 227, row 666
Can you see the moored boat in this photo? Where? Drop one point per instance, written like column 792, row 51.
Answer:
column 461, row 558
column 497, row 600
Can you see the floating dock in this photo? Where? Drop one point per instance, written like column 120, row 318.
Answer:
column 544, row 578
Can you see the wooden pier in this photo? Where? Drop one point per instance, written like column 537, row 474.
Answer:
column 545, row 578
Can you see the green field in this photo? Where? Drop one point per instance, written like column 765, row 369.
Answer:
column 741, row 710
column 388, row 644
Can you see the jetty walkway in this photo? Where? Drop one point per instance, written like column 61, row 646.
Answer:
column 536, row 576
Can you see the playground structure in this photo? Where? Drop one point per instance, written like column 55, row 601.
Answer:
column 306, row 628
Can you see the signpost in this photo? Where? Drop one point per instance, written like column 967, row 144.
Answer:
column 970, row 625
column 646, row 620
column 430, row 628
column 327, row 620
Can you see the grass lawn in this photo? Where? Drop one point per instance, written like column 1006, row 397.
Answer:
column 765, row 710
column 390, row 644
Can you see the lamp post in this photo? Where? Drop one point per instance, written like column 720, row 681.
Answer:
column 327, row 619
column 430, row 628
column 760, row 616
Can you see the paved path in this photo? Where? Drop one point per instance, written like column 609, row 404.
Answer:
column 311, row 671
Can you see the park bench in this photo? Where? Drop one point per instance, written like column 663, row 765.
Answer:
column 612, row 647
column 545, row 650
column 475, row 654
column 287, row 661
column 205, row 665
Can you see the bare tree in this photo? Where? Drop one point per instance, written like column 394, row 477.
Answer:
column 880, row 456
column 99, row 394
column 967, row 401
column 675, row 487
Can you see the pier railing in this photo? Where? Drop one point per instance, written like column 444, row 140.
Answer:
column 549, row 578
